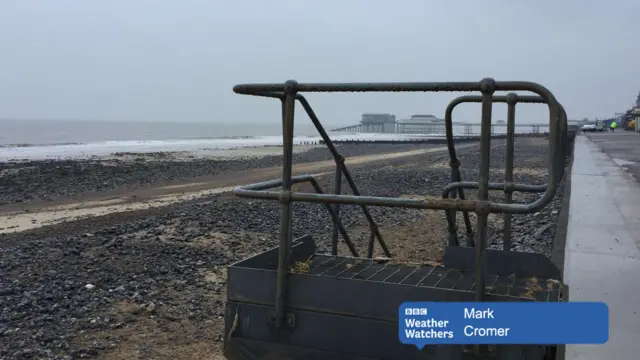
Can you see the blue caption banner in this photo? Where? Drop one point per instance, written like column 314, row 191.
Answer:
column 431, row 323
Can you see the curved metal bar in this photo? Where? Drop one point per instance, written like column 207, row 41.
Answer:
column 459, row 86
column 254, row 89
column 508, row 168
column 555, row 112
column 359, row 200
column 473, row 185
column 557, row 147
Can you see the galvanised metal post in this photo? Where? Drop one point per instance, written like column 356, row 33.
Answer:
column 487, row 87
column 288, row 108
column 336, row 207
column 512, row 100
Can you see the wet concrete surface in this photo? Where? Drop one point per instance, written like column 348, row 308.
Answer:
column 623, row 147
column 603, row 235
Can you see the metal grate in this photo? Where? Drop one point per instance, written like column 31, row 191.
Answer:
column 547, row 290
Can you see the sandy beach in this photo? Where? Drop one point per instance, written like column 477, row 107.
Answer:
column 122, row 258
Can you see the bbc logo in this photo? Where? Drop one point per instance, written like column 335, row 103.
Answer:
column 415, row 311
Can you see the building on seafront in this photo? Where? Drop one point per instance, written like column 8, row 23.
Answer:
column 378, row 123
column 633, row 115
column 628, row 120
column 632, row 118
column 421, row 124
column 385, row 123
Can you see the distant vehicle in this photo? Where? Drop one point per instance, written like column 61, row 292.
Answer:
column 592, row 127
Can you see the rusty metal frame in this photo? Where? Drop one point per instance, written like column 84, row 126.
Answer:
column 511, row 99
column 288, row 93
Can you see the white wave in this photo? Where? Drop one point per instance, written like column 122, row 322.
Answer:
column 71, row 151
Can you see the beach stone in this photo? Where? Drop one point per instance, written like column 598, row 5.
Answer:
column 161, row 273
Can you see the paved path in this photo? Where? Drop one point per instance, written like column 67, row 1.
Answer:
column 623, row 147
column 602, row 254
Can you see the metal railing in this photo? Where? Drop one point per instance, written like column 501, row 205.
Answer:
column 341, row 169
column 290, row 91
column 511, row 99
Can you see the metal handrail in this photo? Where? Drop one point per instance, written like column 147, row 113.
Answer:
column 507, row 186
column 289, row 93
column 341, row 169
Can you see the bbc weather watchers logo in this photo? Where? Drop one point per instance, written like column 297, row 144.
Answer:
column 431, row 323
column 419, row 326
column 415, row 311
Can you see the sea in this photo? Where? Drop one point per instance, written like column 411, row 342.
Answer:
column 68, row 139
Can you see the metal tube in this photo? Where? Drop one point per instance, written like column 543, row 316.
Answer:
column 372, row 237
column 452, row 226
column 265, row 185
column 554, row 108
column 512, row 100
column 467, row 205
column 561, row 139
column 252, row 89
column 465, row 218
column 340, row 162
column 445, row 204
column 455, row 163
column 483, row 186
column 288, row 108
column 555, row 114
column 494, row 186
column 260, row 89
column 336, row 209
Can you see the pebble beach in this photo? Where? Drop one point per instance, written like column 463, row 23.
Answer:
column 120, row 274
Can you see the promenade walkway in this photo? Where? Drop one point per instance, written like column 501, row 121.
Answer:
column 603, row 235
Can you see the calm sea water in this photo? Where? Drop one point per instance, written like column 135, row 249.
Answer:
column 50, row 132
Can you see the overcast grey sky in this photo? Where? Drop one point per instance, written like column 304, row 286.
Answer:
column 177, row 60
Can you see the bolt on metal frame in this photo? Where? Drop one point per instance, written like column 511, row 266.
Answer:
column 290, row 91
column 507, row 186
